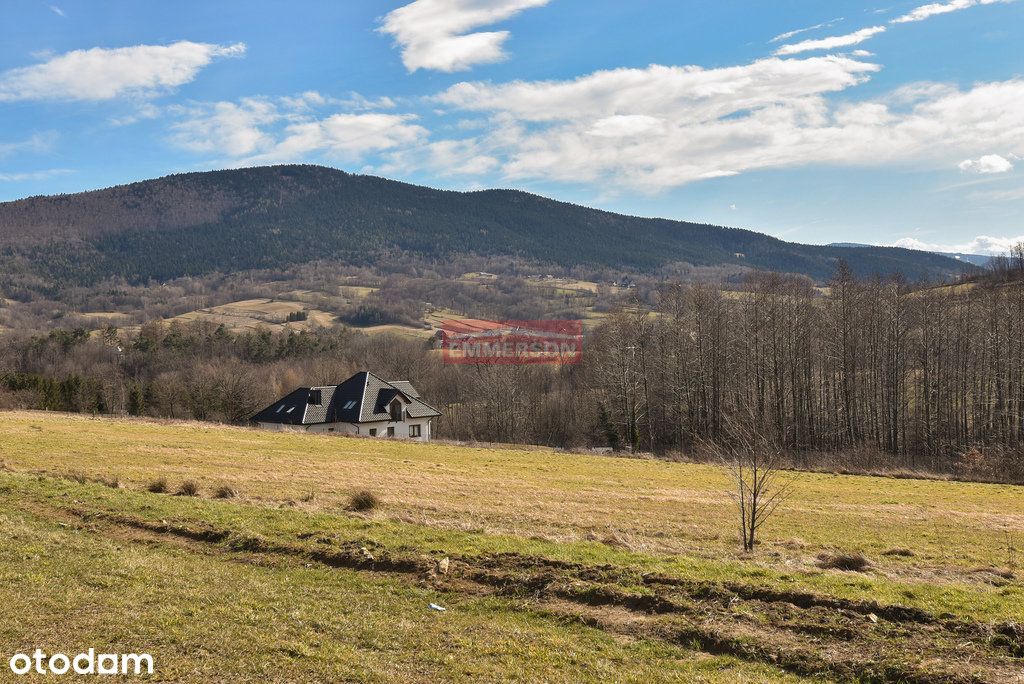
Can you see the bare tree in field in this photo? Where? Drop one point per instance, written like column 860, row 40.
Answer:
column 760, row 485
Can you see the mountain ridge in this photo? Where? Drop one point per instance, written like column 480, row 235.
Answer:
column 196, row 223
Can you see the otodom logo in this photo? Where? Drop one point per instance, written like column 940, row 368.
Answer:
column 88, row 663
column 470, row 341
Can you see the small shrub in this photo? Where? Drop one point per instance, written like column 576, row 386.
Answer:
column 158, row 486
column 111, row 482
column 225, row 492
column 851, row 562
column 188, row 488
column 363, row 500
column 308, row 497
column 904, row 553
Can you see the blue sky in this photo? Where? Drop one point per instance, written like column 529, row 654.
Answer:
column 888, row 122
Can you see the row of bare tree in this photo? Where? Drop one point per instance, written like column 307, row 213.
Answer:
column 867, row 375
column 924, row 375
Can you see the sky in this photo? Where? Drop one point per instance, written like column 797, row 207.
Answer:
column 889, row 122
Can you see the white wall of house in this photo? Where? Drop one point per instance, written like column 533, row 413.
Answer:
column 403, row 429
column 281, row 427
column 337, row 428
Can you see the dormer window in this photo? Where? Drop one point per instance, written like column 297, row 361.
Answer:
column 396, row 410
column 314, row 397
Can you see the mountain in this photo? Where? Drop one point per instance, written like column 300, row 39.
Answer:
column 975, row 259
column 274, row 217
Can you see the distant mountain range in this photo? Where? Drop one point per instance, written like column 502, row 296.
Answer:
column 279, row 216
column 976, row 259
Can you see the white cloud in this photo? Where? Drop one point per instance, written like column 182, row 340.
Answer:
column 627, row 126
column 460, row 158
column 32, row 175
column 927, row 11
column 862, row 53
column 982, row 244
column 655, row 127
column 789, row 34
column 359, row 103
column 264, row 130
column 831, row 42
column 343, row 136
column 57, row 10
column 990, row 163
column 661, row 127
column 435, row 34
column 677, row 92
column 229, row 128
column 38, row 142
column 142, row 112
column 104, row 74
column 354, row 102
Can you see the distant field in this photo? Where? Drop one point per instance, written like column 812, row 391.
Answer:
column 563, row 566
column 251, row 314
column 272, row 314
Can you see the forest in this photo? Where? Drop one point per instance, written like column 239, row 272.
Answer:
column 221, row 222
column 868, row 375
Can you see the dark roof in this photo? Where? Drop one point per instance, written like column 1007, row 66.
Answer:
column 290, row 410
column 405, row 387
column 363, row 398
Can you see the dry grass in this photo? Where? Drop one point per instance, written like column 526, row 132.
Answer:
column 112, row 482
column 846, row 561
column 157, row 486
column 254, row 608
column 225, row 492
column 363, row 500
column 652, row 506
column 188, row 488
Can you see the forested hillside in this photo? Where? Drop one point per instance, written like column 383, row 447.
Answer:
column 275, row 217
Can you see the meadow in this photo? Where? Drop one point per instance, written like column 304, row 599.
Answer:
column 560, row 566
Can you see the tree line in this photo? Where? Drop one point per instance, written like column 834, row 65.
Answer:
column 883, row 375
column 864, row 375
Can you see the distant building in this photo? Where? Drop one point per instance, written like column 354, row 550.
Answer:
column 362, row 405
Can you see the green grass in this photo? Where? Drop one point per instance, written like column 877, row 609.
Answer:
column 71, row 583
column 210, row 617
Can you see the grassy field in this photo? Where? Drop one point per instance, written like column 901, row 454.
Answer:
column 563, row 567
column 253, row 314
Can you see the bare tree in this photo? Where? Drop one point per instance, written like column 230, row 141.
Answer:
column 760, row 485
